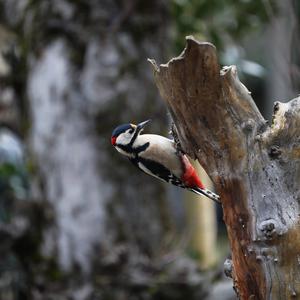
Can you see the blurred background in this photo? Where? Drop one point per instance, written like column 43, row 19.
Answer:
column 77, row 221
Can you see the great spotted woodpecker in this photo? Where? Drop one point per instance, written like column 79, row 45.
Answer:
column 157, row 156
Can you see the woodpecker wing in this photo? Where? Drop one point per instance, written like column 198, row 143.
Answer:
column 157, row 170
column 162, row 151
column 157, row 156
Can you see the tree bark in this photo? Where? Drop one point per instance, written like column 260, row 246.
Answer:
column 255, row 167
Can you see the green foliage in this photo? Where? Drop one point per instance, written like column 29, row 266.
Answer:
column 218, row 21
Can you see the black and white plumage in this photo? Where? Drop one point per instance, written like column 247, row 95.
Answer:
column 157, row 156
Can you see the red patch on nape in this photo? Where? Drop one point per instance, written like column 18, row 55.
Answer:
column 190, row 177
column 113, row 140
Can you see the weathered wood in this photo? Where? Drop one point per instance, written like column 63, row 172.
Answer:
column 256, row 168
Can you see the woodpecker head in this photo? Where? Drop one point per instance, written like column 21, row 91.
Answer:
column 123, row 136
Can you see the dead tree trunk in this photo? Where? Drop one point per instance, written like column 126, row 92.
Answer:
column 255, row 167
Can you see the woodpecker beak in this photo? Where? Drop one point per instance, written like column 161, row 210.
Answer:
column 141, row 125
column 113, row 140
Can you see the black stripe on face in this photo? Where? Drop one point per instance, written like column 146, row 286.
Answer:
column 125, row 148
column 130, row 150
column 136, row 133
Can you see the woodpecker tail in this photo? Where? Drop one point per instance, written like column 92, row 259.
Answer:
column 206, row 193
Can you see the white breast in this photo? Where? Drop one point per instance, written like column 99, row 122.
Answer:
column 161, row 150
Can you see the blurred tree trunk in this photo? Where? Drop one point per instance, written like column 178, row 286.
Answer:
column 78, row 71
column 255, row 167
column 83, row 79
column 281, row 38
column 202, row 224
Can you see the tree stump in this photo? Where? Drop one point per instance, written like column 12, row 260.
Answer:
column 255, row 167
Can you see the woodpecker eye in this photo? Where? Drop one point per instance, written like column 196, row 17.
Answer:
column 131, row 130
